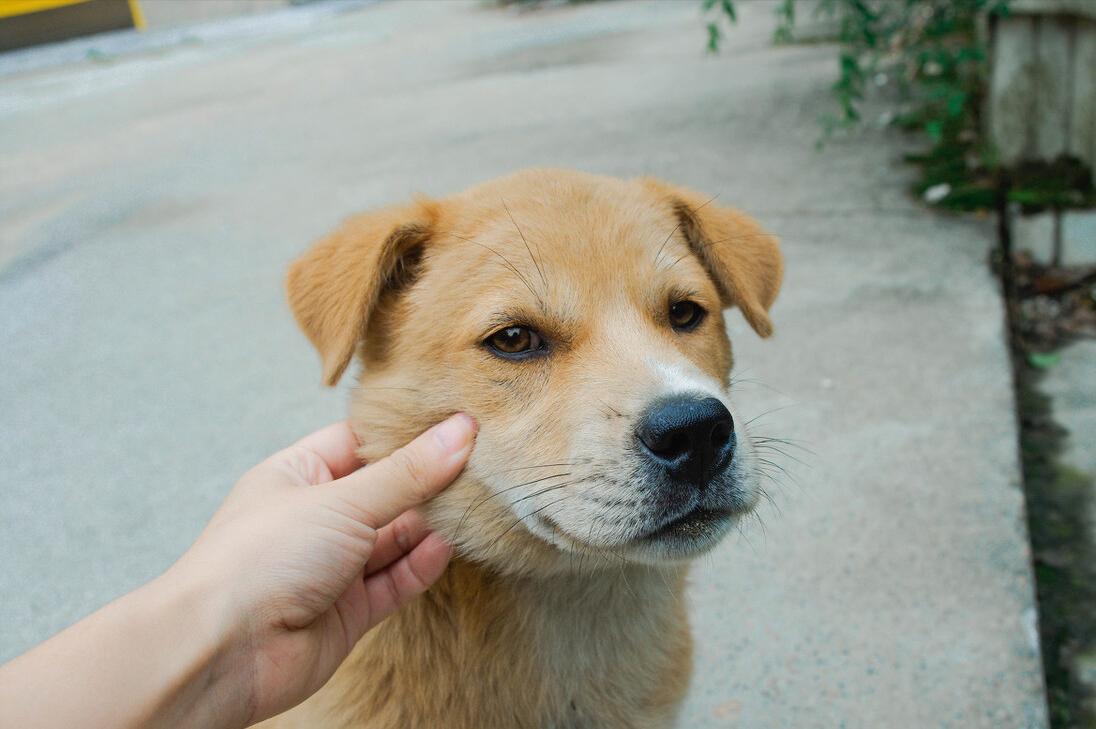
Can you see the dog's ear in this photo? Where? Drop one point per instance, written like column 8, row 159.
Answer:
column 335, row 286
column 742, row 259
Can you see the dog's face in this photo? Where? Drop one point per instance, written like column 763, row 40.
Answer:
column 579, row 320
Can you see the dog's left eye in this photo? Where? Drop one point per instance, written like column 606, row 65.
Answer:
column 685, row 315
column 515, row 342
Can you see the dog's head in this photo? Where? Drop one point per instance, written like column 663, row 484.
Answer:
column 579, row 320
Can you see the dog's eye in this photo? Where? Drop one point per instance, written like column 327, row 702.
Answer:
column 685, row 315
column 514, row 341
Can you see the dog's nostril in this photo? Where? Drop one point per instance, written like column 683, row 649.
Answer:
column 669, row 444
column 721, row 433
column 691, row 438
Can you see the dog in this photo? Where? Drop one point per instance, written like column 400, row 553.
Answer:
column 579, row 319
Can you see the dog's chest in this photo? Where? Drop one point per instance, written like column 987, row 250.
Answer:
column 474, row 654
column 609, row 651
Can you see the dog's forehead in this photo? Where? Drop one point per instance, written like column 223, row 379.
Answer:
column 587, row 227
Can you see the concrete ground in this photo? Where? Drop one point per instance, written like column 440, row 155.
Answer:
column 149, row 203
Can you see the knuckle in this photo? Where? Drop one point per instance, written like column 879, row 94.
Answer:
column 415, row 471
column 418, row 583
column 401, row 536
column 391, row 588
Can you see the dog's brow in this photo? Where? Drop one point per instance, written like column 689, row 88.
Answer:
column 506, row 262
column 526, row 242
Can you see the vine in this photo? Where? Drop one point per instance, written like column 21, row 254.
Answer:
column 930, row 57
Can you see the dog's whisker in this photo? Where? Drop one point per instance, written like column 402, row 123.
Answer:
column 679, row 224
column 768, row 497
column 658, row 254
column 775, row 465
column 554, row 487
column 611, row 408
column 709, row 244
column 790, row 442
column 624, row 576
column 540, row 271
column 506, row 261
column 769, row 447
column 476, row 504
column 392, row 387
column 767, row 412
column 745, row 537
column 520, row 519
column 529, row 468
column 669, row 588
column 760, row 523
column 738, row 382
column 778, row 483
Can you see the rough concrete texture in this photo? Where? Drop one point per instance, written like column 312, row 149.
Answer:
column 173, row 13
column 149, row 204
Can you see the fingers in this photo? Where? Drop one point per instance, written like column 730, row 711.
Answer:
column 412, row 475
column 397, row 539
column 335, row 445
column 407, row 578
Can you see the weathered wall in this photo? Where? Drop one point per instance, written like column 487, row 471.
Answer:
column 1042, row 100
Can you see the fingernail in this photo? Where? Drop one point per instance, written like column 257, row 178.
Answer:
column 455, row 433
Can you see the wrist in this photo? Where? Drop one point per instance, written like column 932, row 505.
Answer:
column 164, row 655
column 202, row 648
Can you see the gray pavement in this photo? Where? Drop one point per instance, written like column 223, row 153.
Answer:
column 149, row 203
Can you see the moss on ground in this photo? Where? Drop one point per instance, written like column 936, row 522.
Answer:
column 1059, row 500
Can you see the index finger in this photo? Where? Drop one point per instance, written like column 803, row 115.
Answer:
column 336, row 445
column 412, row 475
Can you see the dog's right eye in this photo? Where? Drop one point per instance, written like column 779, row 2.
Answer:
column 515, row 342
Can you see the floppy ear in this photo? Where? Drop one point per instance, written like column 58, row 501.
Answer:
column 334, row 287
column 742, row 259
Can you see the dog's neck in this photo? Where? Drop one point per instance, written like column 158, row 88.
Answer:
column 623, row 590
column 569, row 624
column 605, row 648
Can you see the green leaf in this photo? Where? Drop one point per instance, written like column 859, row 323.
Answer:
column 713, row 38
column 728, row 10
column 1043, row 360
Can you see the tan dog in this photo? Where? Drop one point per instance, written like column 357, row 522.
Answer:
column 579, row 320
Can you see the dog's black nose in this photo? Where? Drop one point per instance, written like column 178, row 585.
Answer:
column 692, row 439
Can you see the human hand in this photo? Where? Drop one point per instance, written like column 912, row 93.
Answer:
column 309, row 551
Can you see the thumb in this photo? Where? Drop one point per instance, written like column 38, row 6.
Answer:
column 411, row 475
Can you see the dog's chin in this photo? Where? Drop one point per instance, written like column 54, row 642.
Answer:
column 684, row 537
column 671, row 541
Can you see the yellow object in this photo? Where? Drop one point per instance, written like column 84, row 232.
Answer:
column 9, row 8
column 137, row 15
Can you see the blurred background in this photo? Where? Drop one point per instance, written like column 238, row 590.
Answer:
column 928, row 559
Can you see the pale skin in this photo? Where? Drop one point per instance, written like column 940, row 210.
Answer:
column 308, row 552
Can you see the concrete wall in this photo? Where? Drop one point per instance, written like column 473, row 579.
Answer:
column 1042, row 99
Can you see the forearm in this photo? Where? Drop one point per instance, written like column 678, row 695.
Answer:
column 159, row 656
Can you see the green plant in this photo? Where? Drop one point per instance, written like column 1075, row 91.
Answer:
column 726, row 9
column 929, row 58
column 929, row 50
